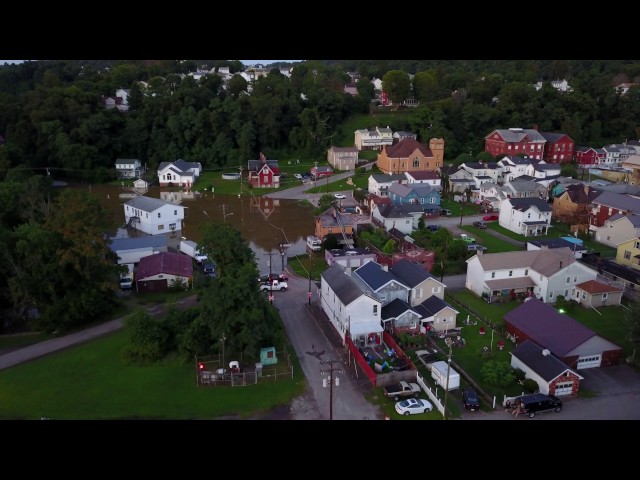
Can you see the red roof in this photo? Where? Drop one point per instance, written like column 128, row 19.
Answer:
column 404, row 149
column 164, row 262
column 593, row 286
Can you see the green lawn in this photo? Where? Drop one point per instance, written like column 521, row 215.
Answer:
column 457, row 207
column 397, row 120
column 493, row 244
column 90, row 381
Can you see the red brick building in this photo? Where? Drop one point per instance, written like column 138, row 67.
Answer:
column 529, row 142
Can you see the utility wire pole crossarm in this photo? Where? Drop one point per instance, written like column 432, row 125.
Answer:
column 330, row 372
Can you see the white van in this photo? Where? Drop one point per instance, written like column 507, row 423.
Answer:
column 314, row 243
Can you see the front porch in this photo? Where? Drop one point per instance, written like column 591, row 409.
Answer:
column 533, row 229
column 506, row 290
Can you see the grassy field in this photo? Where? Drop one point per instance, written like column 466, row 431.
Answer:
column 90, row 381
column 493, row 244
column 396, row 120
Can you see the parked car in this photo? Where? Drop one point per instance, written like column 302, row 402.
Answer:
column 467, row 238
column 433, row 228
column 209, row 267
column 479, row 224
column 298, row 176
column 538, row 403
column 339, row 195
column 475, row 247
column 126, row 283
column 470, row 399
column 445, row 212
column 411, row 406
column 490, row 218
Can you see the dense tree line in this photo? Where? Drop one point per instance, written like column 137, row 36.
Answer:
column 52, row 115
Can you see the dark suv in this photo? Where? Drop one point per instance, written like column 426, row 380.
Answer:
column 470, row 399
column 538, row 403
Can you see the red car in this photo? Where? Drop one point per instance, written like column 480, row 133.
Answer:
column 490, row 218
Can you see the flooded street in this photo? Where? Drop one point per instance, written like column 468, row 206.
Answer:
column 265, row 223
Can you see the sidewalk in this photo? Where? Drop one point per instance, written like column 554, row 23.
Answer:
column 41, row 349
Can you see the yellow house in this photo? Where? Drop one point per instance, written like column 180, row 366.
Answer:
column 629, row 253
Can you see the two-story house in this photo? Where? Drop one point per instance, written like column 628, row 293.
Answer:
column 632, row 164
column 350, row 310
column 430, row 177
column 153, row 216
column 460, row 181
column 333, row 222
column 178, row 173
column 513, row 166
column 128, row 167
column 427, row 196
column 343, row 158
column 409, row 155
column 526, row 216
column 618, row 229
column 263, row 173
column 401, row 217
column 522, row 187
column 379, row 183
column 483, row 172
column 608, row 204
column 515, row 141
column 574, row 204
column 544, row 273
column 588, row 156
column 373, row 139
column 421, row 283
column 628, row 252
column 558, row 147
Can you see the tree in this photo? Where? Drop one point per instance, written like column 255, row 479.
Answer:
column 397, row 85
column 425, row 86
column 568, row 170
column 633, row 320
column 366, row 89
column 497, row 373
column 150, row 339
column 237, row 84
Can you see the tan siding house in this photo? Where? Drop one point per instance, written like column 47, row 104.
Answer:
column 409, row 155
column 629, row 253
column 343, row 158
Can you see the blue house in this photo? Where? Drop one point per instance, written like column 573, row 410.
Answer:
column 427, row 196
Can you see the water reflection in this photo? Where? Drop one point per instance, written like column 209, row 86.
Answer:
column 265, row 223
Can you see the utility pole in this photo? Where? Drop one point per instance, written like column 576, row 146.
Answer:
column 329, row 379
column 269, row 281
column 449, row 342
column 309, row 293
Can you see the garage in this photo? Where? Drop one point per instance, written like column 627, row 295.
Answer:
column 591, row 361
column 565, row 388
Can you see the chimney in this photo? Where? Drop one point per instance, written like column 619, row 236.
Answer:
column 546, row 352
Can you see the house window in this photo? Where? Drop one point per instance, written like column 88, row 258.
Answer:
column 637, row 244
column 627, row 255
column 551, row 294
column 566, row 293
column 604, row 296
column 510, row 273
column 422, row 200
column 416, row 162
column 509, row 147
column 568, row 279
column 432, row 200
column 526, row 271
column 584, row 295
column 160, row 227
column 529, row 215
column 382, row 296
column 172, row 226
column 435, row 290
column 375, row 310
column 159, row 214
column 493, row 274
column 175, row 213
column 575, row 279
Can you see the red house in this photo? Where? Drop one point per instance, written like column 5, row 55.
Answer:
column 263, row 173
column 558, row 148
column 589, row 156
column 321, row 172
column 608, row 204
column 529, row 142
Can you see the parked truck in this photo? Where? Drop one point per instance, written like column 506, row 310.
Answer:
column 189, row 247
column 402, row 390
column 314, row 243
column 273, row 285
column 439, row 374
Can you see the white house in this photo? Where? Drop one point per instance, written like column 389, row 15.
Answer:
column 128, row 167
column 514, row 167
column 373, row 139
column 560, row 85
column 544, row 274
column 526, row 216
column 349, row 308
column 153, row 216
column 483, row 172
column 379, row 183
column 429, row 177
column 401, row 217
column 131, row 250
column 618, row 229
column 179, row 173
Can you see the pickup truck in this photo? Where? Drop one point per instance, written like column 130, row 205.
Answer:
column 273, row 285
column 401, row 390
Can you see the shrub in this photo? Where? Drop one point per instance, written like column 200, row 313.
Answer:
column 530, row 385
column 519, row 375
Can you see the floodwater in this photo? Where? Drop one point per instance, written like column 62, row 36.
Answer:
column 265, row 223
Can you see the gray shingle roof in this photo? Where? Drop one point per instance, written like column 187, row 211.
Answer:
column 553, row 136
column 148, row 204
column 523, row 204
column 411, row 274
column 544, row 325
column 342, row 284
column 513, row 136
column 555, row 243
column 431, row 306
column 395, row 308
column 545, row 262
column 400, row 211
column 372, row 274
column 382, row 178
column 138, row 242
column 548, row 367
column 619, row 201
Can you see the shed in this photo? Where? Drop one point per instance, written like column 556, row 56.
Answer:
column 268, row 356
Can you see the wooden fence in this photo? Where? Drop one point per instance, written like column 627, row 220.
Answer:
column 368, row 371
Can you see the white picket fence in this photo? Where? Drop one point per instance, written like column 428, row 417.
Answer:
column 432, row 393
